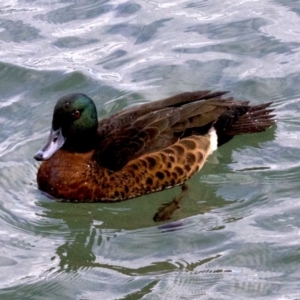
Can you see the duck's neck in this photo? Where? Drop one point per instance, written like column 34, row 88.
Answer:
column 81, row 144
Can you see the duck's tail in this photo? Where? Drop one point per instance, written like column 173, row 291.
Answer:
column 243, row 119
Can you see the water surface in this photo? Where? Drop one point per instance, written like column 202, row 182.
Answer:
column 237, row 234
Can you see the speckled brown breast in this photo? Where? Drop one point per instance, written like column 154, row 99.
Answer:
column 75, row 177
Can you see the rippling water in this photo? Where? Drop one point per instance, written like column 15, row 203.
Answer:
column 237, row 234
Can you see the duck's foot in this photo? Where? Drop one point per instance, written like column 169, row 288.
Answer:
column 167, row 210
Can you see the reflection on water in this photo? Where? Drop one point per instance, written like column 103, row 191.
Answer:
column 237, row 230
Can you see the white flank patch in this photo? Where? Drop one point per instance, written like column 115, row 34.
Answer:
column 213, row 140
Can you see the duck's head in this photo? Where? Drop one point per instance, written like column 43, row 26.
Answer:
column 74, row 126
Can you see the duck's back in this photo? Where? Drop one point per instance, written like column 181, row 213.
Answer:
column 153, row 126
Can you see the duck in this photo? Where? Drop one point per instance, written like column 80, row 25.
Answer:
column 141, row 149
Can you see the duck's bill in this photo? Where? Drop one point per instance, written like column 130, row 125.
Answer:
column 55, row 141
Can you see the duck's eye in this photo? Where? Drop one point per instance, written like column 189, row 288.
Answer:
column 76, row 114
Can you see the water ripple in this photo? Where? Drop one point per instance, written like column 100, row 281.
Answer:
column 237, row 231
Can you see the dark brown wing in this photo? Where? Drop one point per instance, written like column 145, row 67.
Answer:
column 129, row 115
column 133, row 132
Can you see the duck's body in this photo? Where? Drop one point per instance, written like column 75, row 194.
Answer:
column 75, row 176
column 140, row 150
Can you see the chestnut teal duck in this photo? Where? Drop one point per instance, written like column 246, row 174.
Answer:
column 141, row 149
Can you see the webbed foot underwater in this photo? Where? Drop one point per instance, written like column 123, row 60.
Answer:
column 139, row 150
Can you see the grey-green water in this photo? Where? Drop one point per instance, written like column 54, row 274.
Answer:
column 237, row 234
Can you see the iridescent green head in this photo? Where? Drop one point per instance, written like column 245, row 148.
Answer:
column 74, row 126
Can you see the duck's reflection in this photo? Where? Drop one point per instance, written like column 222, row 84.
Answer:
column 89, row 224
